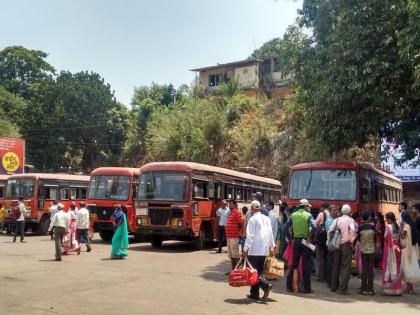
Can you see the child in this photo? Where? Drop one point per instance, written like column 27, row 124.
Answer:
column 366, row 236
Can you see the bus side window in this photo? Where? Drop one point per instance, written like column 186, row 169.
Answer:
column 64, row 194
column 229, row 192
column 200, row 189
column 73, row 194
column 219, row 190
column 211, row 190
column 50, row 193
column 81, row 193
column 239, row 193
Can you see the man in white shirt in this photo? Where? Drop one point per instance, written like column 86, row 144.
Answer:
column 60, row 224
column 258, row 244
column 53, row 210
column 82, row 225
column 20, row 220
column 222, row 213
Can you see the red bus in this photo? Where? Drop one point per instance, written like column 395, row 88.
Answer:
column 109, row 186
column 360, row 185
column 39, row 190
column 3, row 181
column 178, row 200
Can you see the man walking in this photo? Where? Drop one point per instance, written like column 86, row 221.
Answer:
column 82, row 225
column 304, row 228
column 341, row 270
column 20, row 220
column 258, row 244
column 60, row 224
column 222, row 213
column 234, row 225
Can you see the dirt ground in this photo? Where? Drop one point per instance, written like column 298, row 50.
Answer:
column 174, row 279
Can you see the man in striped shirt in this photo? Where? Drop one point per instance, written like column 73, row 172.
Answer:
column 233, row 228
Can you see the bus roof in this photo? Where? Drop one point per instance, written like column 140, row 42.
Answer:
column 115, row 171
column 190, row 166
column 342, row 165
column 81, row 178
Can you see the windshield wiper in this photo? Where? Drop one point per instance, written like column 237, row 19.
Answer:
column 310, row 181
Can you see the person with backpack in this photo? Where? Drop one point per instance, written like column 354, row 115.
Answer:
column 321, row 241
column 20, row 213
column 331, row 254
column 341, row 270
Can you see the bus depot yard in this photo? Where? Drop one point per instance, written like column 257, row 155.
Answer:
column 173, row 279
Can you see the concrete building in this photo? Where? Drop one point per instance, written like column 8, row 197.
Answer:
column 254, row 76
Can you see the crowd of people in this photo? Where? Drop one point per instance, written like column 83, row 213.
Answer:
column 69, row 228
column 335, row 245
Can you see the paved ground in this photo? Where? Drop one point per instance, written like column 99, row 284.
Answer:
column 173, row 280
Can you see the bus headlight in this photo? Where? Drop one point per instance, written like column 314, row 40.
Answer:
column 141, row 211
column 180, row 223
column 138, row 221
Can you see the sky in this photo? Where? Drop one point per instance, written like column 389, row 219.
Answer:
column 136, row 42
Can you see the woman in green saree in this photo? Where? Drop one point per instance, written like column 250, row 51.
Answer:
column 120, row 238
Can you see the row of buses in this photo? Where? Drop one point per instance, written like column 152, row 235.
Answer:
column 178, row 200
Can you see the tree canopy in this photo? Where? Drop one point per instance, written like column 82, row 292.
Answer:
column 358, row 73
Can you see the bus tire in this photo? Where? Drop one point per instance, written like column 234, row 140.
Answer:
column 200, row 240
column 137, row 238
column 156, row 241
column 106, row 235
column 44, row 225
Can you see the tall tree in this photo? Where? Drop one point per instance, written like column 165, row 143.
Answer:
column 21, row 67
column 74, row 123
column 355, row 84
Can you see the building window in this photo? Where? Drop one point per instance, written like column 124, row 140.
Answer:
column 215, row 79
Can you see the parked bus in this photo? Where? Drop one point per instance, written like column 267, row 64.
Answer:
column 360, row 185
column 39, row 190
column 178, row 200
column 110, row 186
column 3, row 181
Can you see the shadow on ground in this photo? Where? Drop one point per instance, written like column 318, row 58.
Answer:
column 322, row 292
column 166, row 247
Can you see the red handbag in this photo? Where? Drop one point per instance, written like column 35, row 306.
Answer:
column 245, row 276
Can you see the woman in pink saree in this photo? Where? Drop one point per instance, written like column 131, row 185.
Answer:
column 391, row 262
column 70, row 243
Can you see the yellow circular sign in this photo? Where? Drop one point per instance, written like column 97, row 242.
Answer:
column 10, row 162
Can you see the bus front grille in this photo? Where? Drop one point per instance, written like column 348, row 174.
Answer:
column 158, row 216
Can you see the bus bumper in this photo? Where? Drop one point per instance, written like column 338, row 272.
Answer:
column 102, row 226
column 168, row 232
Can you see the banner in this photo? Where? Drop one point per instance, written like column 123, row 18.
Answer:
column 12, row 155
column 408, row 171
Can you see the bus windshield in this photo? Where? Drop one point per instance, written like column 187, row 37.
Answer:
column 164, row 186
column 111, row 187
column 323, row 184
column 20, row 187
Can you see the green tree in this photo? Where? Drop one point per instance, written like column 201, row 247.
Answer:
column 21, row 67
column 355, row 84
column 145, row 101
column 74, row 123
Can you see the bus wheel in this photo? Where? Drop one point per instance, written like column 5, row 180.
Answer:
column 137, row 238
column 106, row 235
column 43, row 226
column 156, row 241
column 200, row 240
